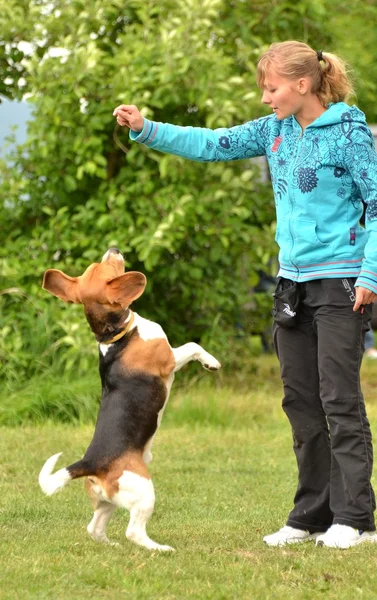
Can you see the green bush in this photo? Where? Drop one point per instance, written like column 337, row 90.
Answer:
column 199, row 232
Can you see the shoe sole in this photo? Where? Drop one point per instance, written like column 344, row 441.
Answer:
column 311, row 538
column 366, row 540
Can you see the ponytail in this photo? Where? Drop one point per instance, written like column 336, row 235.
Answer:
column 335, row 84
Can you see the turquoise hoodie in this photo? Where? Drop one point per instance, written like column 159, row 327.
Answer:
column 319, row 176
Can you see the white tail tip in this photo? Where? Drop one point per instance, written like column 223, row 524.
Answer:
column 51, row 483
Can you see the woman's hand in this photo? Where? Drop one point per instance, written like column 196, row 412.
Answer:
column 363, row 296
column 128, row 115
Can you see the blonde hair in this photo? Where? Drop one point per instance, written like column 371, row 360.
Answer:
column 329, row 74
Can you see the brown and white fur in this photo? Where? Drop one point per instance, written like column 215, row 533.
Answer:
column 137, row 366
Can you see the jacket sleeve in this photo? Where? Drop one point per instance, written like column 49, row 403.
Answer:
column 363, row 169
column 205, row 145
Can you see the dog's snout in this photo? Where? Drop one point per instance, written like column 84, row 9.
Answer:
column 112, row 252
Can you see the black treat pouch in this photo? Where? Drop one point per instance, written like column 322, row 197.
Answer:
column 286, row 301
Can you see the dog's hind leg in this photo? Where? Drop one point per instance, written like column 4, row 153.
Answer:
column 102, row 513
column 97, row 526
column 136, row 493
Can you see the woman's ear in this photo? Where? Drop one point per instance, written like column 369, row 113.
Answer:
column 303, row 85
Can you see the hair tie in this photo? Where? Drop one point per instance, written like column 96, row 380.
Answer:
column 319, row 55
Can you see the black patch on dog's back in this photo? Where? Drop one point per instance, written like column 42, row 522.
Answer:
column 127, row 419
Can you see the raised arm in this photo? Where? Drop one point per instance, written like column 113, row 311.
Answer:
column 196, row 143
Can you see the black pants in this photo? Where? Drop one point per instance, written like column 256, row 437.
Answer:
column 320, row 361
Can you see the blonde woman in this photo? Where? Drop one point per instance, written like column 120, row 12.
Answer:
column 323, row 163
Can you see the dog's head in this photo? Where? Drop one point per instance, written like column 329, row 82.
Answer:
column 104, row 289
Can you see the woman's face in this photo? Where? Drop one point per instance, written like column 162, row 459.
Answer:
column 284, row 96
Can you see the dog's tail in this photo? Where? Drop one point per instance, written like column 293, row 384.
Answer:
column 53, row 482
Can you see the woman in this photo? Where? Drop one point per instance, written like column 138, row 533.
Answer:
column 323, row 163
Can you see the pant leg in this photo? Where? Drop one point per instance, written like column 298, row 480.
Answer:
column 297, row 352
column 340, row 333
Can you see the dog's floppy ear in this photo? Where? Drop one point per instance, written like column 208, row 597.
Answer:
column 61, row 285
column 126, row 288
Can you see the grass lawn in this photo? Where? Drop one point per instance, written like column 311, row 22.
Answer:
column 224, row 475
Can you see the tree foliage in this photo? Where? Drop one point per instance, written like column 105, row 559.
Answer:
column 354, row 31
column 199, row 232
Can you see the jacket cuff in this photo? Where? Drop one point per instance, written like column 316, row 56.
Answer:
column 367, row 279
column 147, row 134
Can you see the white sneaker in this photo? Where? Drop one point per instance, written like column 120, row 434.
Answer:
column 343, row 536
column 289, row 535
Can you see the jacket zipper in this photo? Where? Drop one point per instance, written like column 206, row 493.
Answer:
column 291, row 200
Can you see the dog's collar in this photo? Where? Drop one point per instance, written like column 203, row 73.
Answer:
column 127, row 328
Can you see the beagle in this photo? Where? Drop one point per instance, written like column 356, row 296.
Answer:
column 137, row 366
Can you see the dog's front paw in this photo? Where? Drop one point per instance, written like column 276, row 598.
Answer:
column 209, row 362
